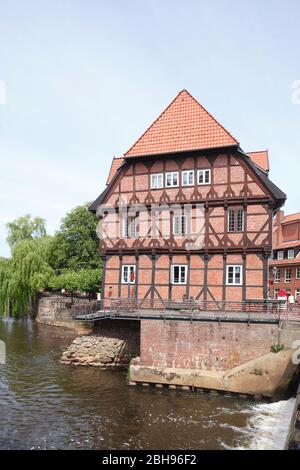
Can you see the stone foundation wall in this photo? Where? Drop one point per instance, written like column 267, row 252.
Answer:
column 112, row 345
column 201, row 345
column 48, row 313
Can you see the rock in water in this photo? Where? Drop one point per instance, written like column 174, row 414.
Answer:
column 97, row 351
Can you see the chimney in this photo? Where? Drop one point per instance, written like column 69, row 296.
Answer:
column 277, row 235
column 279, row 218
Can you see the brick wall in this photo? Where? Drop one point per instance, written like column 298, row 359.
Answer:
column 200, row 345
column 128, row 330
column 216, row 268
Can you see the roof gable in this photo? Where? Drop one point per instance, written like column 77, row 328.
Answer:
column 115, row 165
column 183, row 126
column 260, row 159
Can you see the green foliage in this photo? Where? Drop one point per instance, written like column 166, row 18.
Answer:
column 23, row 276
column 25, row 228
column 85, row 280
column 276, row 348
column 70, row 260
column 75, row 246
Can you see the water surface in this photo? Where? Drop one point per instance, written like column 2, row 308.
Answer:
column 47, row 405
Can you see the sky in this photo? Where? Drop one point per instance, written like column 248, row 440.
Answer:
column 80, row 80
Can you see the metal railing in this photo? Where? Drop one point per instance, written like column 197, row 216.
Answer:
column 248, row 311
column 86, row 309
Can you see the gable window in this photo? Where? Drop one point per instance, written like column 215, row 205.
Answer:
column 157, row 181
column 204, row 176
column 287, row 275
column 291, row 254
column 280, row 255
column 129, row 227
column 128, row 274
column 179, row 224
column 277, row 276
column 178, row 273
column 234, row 275
column 297, row 273
column 172, row 179
column 188, row 178
column 235, row 220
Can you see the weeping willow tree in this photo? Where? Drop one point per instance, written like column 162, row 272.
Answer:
column 23, row 276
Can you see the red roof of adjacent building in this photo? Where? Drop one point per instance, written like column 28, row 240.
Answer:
column 260, row 159
column 184, row 125
column 291, row 218
column 283, row 245
column 115, row 165
column 285, row 262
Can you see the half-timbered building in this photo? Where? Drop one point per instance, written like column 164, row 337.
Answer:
column 187, row 158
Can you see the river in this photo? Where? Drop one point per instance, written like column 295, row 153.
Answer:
column 47, row 405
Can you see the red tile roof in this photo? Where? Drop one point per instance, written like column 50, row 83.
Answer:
column 284, row 245
column 183, row 125
column 291, row 218
column 115, row 165
column 260, row 159
column 285, row 262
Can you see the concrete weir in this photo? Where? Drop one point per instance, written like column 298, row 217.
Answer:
column 293, row 441
column 227, row 358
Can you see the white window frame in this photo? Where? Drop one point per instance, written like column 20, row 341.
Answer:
column 155, row 178
column 180, row 225
column 203, row 173
column 280, row 255
column 276, row 292
column 291, row 254
column 287, row 280
column 234, row 266
column 129, row 268
column 277, row 277
column 172, row 174
column 235, row 212
column 129, row 227
column 297, row 273
column 187, row 174
column 181, row 267
column 297, row 291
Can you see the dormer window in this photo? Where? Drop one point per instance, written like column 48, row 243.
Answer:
column 291, row 254
column 280, row 255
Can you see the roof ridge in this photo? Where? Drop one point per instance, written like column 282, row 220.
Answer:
column 151, row 125
column 210, row 115
column 258, row 151
column 235, row 141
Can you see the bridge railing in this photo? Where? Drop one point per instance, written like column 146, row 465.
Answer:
column 268, row 310
column 87, row 308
